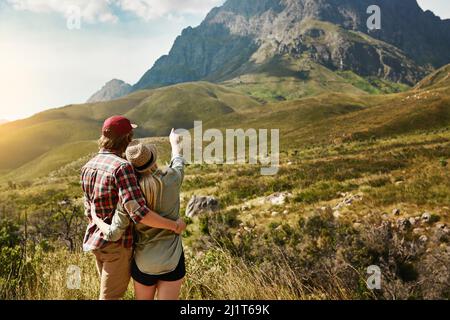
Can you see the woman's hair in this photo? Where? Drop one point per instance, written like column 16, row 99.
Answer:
column 151, row 186
column 118, row 144
column 150, row 182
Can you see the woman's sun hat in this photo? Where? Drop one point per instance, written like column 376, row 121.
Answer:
column 141, row 156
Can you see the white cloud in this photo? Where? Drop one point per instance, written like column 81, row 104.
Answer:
column 103, row 10
column 150, row 9
column 91, row 11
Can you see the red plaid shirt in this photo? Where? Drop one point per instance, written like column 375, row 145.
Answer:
column 106, row 180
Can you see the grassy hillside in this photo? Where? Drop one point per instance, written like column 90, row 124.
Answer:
column 156, row 111
column 372, row 85
column 366, row 179
column 338, row 219
column 180, row 105
column 24, row 144
column 284, row 79
column 337, row 117
column 340, row 113
column 438, row 79
column 325, row 118
column 52, row 161
column 90, row 111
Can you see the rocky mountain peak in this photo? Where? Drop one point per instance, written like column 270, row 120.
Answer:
column 111, row 90
column 243, row 36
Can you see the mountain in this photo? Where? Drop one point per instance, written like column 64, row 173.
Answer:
column 247, row 37
column 111, row 90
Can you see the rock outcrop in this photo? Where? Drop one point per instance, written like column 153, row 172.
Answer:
column 200, row 205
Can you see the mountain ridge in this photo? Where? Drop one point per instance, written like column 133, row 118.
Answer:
column 228, row 38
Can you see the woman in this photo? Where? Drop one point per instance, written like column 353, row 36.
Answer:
column 158, row 267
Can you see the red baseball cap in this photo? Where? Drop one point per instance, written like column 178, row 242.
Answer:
column 118, row 126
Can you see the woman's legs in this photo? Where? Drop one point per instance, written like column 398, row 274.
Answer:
column 144, row 292
column 163, row 289
column 169, row 290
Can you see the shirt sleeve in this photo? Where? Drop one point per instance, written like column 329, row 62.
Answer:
column 177, row 165
column 120, row 223
column 130, row 194
column 87, row 206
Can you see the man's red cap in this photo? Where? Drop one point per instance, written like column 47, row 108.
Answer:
column 117, row 126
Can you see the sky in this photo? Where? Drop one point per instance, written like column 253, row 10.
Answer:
column 48, row 59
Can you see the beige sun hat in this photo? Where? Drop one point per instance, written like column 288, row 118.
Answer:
column 141, row 156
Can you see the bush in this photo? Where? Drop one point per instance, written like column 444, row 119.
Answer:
column 332, row 257
column 16, row 268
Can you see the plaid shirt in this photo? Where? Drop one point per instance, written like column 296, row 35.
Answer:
column 106, row 180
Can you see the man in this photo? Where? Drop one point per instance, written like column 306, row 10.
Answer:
column 108, row 180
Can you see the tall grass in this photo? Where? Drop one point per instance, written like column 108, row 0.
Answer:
column 46, row 276
column 215, row 275
column 222, row 276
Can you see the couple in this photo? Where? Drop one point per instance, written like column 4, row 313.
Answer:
column 131, row 204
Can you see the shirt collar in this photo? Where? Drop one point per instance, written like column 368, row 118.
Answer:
column 104, row 151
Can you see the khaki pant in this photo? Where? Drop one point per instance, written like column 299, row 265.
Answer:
column 113, row 265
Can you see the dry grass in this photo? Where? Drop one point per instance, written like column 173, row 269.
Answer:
column 47, row 277
column 215, row 275
column 220, row 276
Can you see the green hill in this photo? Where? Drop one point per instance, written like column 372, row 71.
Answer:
column 406, row 113
column 90, row 111
column 283, row 80
column 180, row 105
column 156, row 111
column 52, row 161
column 335, row 118
column 25, row 144
column 46, row 141
column 363, row 174
column 438, row 79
